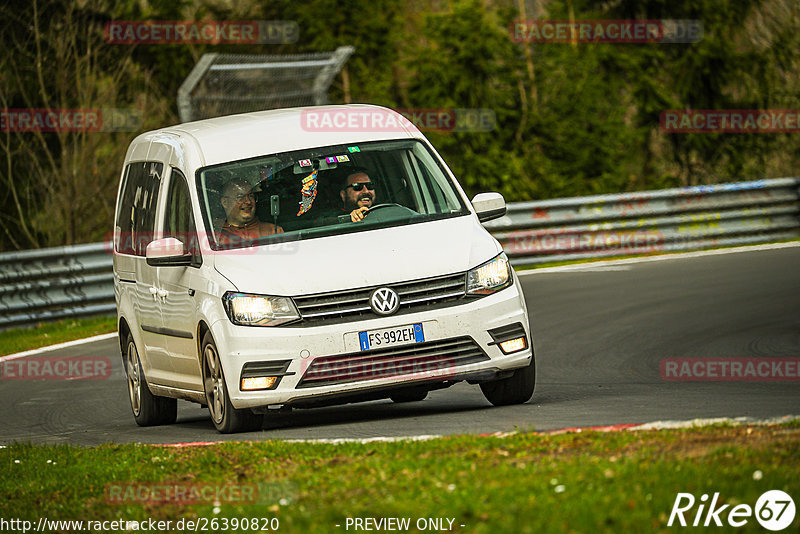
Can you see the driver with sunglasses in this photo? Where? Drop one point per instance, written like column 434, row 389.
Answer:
column 358, row 194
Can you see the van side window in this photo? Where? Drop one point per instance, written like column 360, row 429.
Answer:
column 178, row 218
column 136, row 218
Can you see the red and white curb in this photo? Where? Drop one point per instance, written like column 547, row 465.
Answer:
column 655, row 425
column 334, row 441
column 672, row 425
column 736, row 421
column 190, row 444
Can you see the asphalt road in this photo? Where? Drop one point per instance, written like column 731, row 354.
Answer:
column 600, row 335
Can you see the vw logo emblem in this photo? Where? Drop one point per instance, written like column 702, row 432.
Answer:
column 384, row 301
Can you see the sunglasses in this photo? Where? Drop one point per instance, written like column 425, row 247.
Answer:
column 239, row 198
column 358, row 186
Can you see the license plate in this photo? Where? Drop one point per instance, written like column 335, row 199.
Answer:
column 390, row 337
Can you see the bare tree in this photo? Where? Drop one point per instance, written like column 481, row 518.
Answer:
column 61, row 185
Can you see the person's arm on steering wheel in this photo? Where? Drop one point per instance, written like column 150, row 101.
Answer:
column 358, row 213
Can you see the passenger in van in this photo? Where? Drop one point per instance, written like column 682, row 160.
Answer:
column 241, row 222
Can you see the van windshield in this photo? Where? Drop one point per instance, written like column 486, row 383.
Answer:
column 324, row 191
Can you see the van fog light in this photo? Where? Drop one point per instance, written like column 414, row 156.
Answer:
column 258, row 382
column 513, row 345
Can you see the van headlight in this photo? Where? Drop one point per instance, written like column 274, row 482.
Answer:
column 259, row 310
column 492, row 276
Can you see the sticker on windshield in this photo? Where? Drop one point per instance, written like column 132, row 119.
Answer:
column 308, row 193
column 330, row 159
column 352, row 149
column 342, row 159
column 304, row 163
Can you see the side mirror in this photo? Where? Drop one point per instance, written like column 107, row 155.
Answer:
column 489, row 206
column 167, row 252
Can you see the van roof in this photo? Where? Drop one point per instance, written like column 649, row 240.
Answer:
column 236, row 137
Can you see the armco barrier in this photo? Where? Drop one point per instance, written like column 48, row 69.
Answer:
column 47, row 284
column 668, row 220
column 54, row 283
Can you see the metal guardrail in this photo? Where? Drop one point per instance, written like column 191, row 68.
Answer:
column 668, row 220
column 47, row 284
column 55, row 283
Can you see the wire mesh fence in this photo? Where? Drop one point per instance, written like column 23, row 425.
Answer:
column 226, row 84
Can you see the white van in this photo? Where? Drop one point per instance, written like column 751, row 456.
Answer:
column 308, row 257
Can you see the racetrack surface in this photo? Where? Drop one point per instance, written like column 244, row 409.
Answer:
column 600, row 334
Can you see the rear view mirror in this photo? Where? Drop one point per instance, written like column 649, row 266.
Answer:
column 489, row 206
column 167, row 251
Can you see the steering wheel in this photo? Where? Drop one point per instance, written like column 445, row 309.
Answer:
column 386, row 205
column 388, row 211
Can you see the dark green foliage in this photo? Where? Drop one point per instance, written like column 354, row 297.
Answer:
column 571, row 119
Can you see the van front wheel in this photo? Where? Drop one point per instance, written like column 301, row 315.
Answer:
column 516, row 389
column 226, row 418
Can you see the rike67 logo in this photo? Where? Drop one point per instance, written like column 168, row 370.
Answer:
column 774, row 510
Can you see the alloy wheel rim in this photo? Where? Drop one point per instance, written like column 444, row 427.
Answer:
column 134, row 379
column 215, row 391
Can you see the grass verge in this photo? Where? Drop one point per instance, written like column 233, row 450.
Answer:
column 528, row 482
column 44, row 334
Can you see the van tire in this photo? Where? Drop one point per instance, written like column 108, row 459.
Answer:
column 226, row 418
column 516, row 389
column 148, row 409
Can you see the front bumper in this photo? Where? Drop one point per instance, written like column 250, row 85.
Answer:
column 470, row 320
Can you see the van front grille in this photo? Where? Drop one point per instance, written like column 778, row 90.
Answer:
column 433, row 360
column 352, row 305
